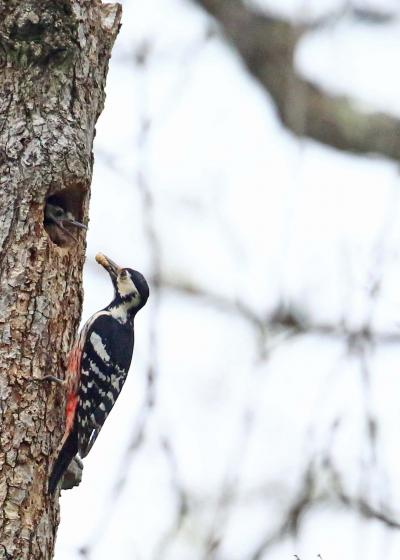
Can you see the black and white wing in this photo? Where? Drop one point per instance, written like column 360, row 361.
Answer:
column 105, row 362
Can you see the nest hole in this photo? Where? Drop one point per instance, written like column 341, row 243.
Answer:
column 62, row 216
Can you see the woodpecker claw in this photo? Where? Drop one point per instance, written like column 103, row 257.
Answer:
column 52, row 379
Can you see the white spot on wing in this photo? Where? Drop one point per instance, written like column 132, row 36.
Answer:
column 96, row 370
column 116, row 382
column 99, row 347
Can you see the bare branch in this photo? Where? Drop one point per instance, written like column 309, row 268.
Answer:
column 292, row 320
column 267, row 46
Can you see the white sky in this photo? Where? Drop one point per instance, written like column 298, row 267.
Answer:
column 248, row 213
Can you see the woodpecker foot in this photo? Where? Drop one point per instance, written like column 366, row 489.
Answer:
column 52, row 379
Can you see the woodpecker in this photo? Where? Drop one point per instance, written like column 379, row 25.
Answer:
column 98, row 365
column 56, row 218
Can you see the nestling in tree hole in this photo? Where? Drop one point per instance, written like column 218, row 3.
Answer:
column 61, row 217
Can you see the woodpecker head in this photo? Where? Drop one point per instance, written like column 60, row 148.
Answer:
column 131, row 290
column 57, row 217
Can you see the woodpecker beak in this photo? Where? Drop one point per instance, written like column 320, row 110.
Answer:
column 71, row 222
column 112, row 268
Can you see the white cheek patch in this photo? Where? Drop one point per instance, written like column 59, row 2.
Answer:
column 126, row 287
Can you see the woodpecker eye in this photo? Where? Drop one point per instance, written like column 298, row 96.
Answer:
column 123, row 274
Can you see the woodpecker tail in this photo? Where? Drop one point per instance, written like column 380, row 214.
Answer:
column 67, row 453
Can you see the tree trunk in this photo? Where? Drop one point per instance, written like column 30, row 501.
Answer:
column 53, row 63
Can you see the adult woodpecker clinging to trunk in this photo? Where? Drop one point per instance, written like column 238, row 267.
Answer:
column 98, row 365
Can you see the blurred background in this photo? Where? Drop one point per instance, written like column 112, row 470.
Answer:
column 247, row 163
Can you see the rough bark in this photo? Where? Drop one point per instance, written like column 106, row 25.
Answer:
column 267, row 46
column 54, row 58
